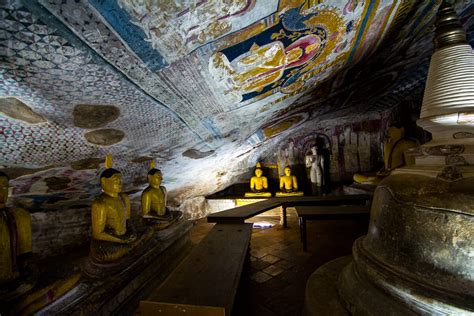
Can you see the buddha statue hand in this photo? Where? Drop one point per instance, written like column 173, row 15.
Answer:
column 383, row 172
column 131, row 238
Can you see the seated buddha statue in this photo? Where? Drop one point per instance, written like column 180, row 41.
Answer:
column 288, row 184
column 113, row 236
column 258, row 184
column 16, row 275
column 154, row 196
column 394, row 156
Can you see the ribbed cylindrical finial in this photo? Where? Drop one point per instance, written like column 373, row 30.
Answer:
column 449, row 30
column 448, row 101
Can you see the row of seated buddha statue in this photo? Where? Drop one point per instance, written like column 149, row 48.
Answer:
column 259, row 184
column 395, row 155
column 113, row 234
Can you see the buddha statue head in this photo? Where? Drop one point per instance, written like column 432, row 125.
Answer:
column 3, row 189
column 287, row 171
column 155, row 176
column 258, row 170
column 110, row 179
column 395, row 133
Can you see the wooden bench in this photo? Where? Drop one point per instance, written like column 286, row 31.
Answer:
column 328, row 213
column 205, row 283
column 240, row 214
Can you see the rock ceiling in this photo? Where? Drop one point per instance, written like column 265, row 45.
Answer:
column 203, row 87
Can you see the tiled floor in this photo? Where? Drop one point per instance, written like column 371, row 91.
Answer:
column 275, row 282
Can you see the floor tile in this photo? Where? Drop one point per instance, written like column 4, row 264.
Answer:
column 273, row 270
column 270, row 259
column 259, row 264
column 284, row 264
column 260, row 277
column 279, row 268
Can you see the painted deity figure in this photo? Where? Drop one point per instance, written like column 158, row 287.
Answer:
column 258, row 183
column 175, row 28
column 394, row 156
column 315, row 162
column 288, row 184
column 15, row 246
column 113, row 236
column 262, row 65
column 154, row 196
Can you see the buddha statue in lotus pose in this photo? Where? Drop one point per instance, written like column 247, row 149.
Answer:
column 15, row 247
column 394, row 156
column 289, row 184
column 154, row 196
column 113, row 236
column 258, row 184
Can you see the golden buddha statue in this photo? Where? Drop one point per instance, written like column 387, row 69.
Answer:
column 394, row 156
column 113, row 236
column 288, row 184
column 15, row 247
column 258, row 184
column 154, row 196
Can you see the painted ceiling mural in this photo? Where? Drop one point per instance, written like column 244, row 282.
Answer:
column 203, row 87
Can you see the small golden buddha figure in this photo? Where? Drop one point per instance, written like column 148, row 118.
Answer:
column 113, row 236
column 15, row 247
column 288, row 184
column 258, row 184
column 394, row 156
column 154, row 196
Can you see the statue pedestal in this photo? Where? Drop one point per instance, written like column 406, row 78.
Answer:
column 258, row 194
column 160, row 223
column 121, row 292
column 297, row 193
column 357, row 188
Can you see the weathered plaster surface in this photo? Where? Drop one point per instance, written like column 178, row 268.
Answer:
column 193, row 104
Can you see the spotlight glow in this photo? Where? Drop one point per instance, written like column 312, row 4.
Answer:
column 262, row 225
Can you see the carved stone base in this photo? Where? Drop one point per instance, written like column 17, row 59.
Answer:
column 417, row 256
column 321, row 297
column 105, row 295
column 21, row 285
column 163, row 222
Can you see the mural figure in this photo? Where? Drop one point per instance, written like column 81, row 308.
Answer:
column 394, row 156
column 175, row 28
column 278, row 59
column 113, row 235
column 258, row 184
column 289, row 184
column 315, row 161
column 15, row 247
column 264, row 65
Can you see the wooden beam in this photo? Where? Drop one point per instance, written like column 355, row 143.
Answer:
column 209, row 276
column 240, row 214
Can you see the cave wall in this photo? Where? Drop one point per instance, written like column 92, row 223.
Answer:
column 71, row 90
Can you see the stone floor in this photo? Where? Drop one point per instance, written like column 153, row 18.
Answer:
column 275, row 282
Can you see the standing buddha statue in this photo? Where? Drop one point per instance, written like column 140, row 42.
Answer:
column 315, row 161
